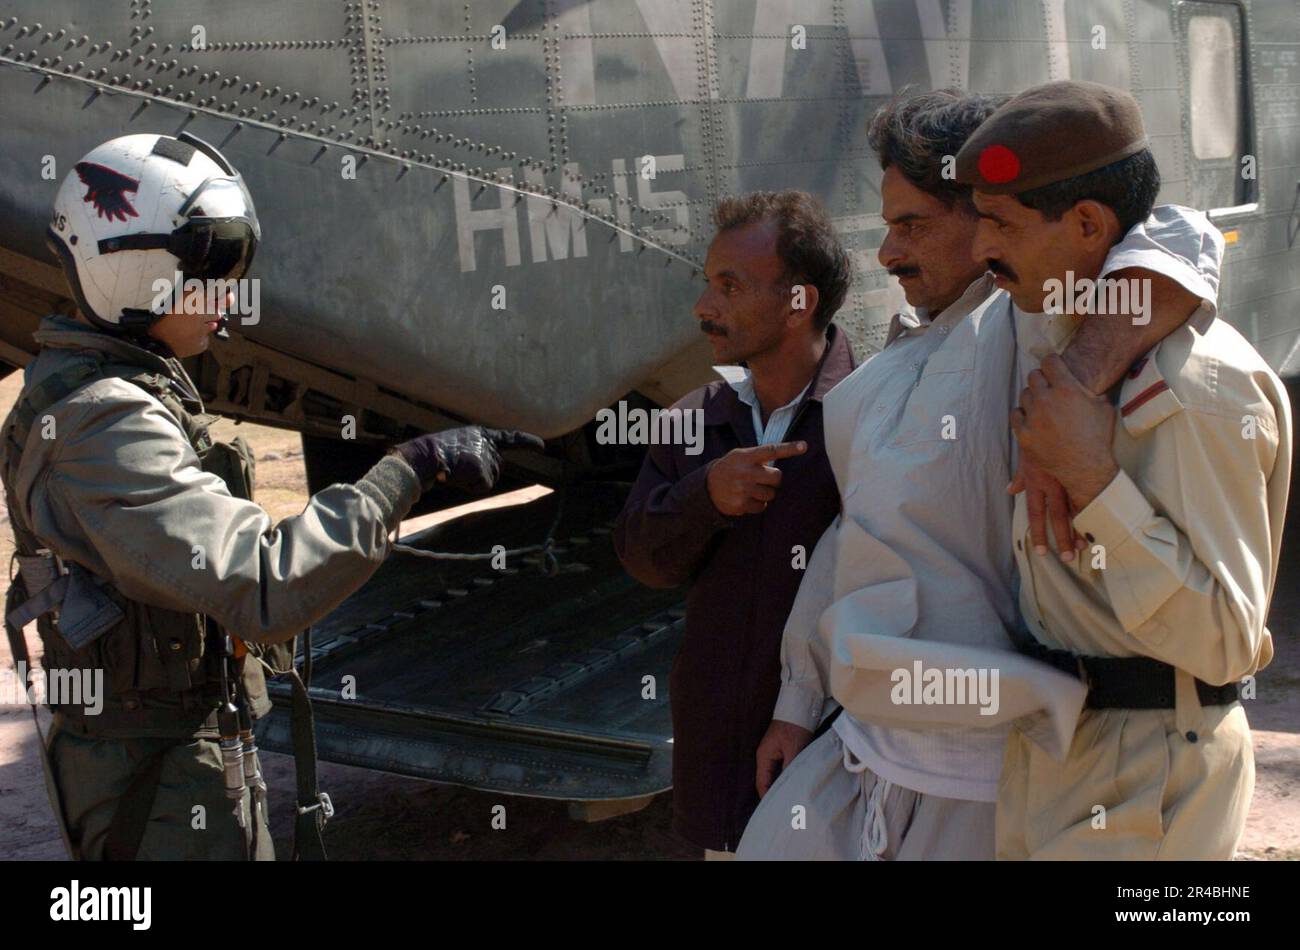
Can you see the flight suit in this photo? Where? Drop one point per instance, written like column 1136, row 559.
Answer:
column 1182, row 557
column 118, row 478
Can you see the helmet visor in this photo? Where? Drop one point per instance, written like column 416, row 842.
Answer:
column 214, row 249
column 222, row 197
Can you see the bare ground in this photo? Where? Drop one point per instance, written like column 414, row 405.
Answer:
column 392, row 817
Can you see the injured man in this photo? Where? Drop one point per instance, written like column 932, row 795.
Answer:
column 907, row 616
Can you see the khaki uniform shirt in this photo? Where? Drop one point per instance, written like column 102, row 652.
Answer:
column 1182, row 558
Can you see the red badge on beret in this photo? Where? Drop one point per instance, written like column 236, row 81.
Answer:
column 998, row 165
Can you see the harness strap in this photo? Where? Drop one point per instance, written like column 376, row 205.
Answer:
column 314, row 806
column 22, row 665
column 49, row 598
column 131, row 816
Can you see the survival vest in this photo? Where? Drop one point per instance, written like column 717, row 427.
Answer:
column 160, row 678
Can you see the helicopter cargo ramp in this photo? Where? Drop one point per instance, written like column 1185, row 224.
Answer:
column 511, row 680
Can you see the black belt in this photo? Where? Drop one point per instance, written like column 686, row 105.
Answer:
column 1130, row 682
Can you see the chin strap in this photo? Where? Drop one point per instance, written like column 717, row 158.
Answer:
column 135, row 329
column 137, row 322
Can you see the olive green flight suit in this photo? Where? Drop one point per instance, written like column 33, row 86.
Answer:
column 108, row 465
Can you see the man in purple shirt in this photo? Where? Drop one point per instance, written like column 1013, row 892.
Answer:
column 737, row 520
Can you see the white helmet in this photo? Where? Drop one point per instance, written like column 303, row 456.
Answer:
column 139, row 208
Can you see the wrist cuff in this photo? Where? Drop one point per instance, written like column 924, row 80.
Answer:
column 394, row 487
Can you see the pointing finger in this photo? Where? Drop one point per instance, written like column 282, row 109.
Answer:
column 514, row 439
column 780, row 450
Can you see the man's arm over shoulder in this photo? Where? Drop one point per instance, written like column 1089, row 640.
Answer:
column 120, row 491
column 668, row 523
column 1195, row 594
column 1173, row 259
column 1175, row 255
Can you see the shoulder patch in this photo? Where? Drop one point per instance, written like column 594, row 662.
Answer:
column 1145, row 398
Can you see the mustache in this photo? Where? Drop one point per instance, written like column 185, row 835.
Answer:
column 712, row 329
column 904, row 271
column 1002, row 270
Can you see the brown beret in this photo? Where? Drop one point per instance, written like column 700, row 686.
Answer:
column 1050, row 133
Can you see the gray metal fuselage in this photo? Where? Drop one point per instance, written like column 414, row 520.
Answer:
column 497, row 212
column 421, row 162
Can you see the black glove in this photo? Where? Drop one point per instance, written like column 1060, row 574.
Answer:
column 468, row 458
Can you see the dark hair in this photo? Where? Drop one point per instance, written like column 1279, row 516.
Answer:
column 917, row 131
column 1128, row 187
column 806, row 242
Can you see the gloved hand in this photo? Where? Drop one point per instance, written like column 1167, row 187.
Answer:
column 467, row 458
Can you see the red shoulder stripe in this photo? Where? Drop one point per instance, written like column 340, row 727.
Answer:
column 1142, row 398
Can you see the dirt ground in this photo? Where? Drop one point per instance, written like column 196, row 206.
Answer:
column 393, row 817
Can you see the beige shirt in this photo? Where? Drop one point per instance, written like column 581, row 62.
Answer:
column 1183, row 556
column 1184, row 542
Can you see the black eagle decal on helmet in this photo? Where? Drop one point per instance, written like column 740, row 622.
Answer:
column 107, row 189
